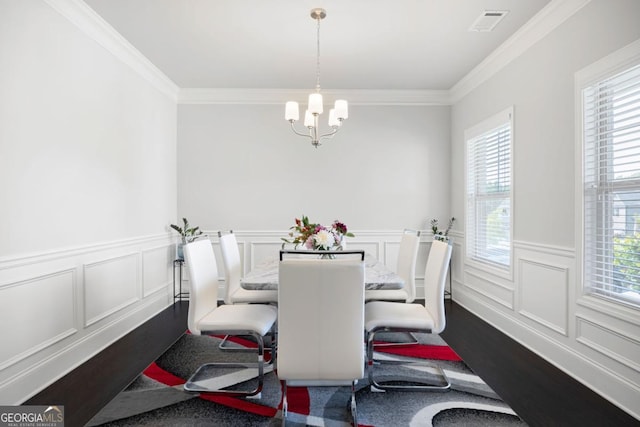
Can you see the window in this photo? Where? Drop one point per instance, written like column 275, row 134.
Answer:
column 488, row 214
column 611, row 185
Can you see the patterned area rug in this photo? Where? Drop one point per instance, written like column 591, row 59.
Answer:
column 157, row 398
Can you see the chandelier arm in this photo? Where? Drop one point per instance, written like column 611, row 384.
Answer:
column 297, row 132
column 329, row 135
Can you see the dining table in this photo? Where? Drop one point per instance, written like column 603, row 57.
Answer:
column 264, row 276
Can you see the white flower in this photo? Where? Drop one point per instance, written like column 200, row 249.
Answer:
column 324, row 239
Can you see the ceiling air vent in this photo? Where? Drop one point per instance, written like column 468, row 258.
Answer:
column 488, row 20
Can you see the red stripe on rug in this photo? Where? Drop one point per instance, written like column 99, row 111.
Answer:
column 421, row 351
column 298, row 400
column 155, row 372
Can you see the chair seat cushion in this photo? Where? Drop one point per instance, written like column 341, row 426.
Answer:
column 254, row 296
column 396, row 315
column 386, row 295
column 258, row 318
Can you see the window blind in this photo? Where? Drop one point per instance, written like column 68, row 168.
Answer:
column 611, row 156
column 488, row 221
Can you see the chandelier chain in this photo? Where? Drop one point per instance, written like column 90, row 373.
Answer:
column 318, row 56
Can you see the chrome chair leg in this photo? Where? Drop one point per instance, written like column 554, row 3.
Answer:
column 200, row 383
column 414, row 341
column 405, row 387
column 225, row 340
column 354, row 409
column 284, row 403
column 224, row 347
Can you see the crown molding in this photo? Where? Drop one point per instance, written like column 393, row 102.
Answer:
column 545, row 21
column 280, row 96
column 88, row 21
column 92, row 24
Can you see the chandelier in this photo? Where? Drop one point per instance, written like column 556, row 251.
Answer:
column 337, row 114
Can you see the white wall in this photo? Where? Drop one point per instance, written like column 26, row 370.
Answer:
column 542, row 305
column 88, row 147
column 240, row 167
column 88, row 173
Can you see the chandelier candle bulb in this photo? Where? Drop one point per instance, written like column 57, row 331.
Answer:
column 342, row 109
column 315, row 103
column 291, row 111
column 308, row 119
column 333, row 120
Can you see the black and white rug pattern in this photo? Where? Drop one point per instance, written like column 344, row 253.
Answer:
column 157, row 398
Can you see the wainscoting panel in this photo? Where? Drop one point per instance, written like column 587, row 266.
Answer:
column 421, row 262
column 373, row 247
column 596, row 342
column 457, row 260
column 61, row 307
column 156, row 270
column 489, row 287
column 36, row 314
column 260, row 252
column 109, row 286
column 543, row 295
column 610, row 341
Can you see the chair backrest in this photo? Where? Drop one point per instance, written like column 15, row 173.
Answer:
column 407, row 257
column 232, row 266
column 321, row 319
column 203, row 281
column 435, row 276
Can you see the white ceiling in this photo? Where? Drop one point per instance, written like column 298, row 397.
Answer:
column 365, row 44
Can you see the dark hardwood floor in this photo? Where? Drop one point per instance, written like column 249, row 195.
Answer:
column 540, row 393
column 92, row 385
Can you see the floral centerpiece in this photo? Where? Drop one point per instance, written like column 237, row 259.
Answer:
column 317, row 236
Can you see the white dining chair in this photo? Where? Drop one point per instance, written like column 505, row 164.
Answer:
column 234, row 292
column 206, row 317
column 321, row 301
column 386, row 316
column 405, row 268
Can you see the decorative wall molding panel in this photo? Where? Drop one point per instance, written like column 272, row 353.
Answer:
column 110, row 285
column 490, row 288
column 590, row 339
column 154, row 277
column 55, row 302
column 544, row 294
column 620, row 345
column 85, row 297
